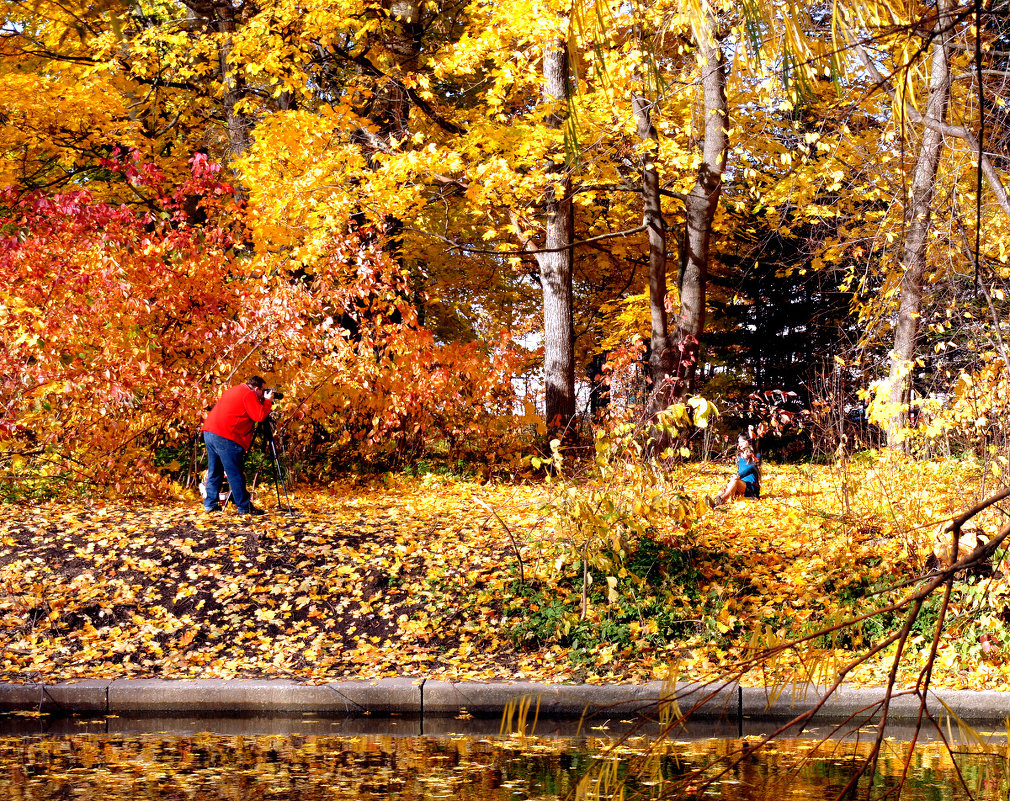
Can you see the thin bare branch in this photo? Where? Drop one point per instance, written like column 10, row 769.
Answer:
column 532, row 249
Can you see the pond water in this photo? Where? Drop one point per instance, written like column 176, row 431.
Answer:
column 308, row 766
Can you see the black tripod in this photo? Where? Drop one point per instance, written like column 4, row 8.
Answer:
column 266, row 430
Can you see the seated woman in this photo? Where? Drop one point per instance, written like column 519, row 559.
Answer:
column 747, row 481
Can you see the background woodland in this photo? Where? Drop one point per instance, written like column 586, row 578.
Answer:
column 451, row 231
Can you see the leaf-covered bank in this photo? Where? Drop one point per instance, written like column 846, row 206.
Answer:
column 453, row 579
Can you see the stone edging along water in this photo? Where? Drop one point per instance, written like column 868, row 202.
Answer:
column 424, row 697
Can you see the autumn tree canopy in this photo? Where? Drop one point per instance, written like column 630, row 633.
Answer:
column 445, row 228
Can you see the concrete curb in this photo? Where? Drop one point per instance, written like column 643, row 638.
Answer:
column 85, row 697
column 433, row 698
column 248, row 696
column 864, row 704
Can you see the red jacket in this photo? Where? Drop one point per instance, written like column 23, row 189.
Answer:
column 235, row 416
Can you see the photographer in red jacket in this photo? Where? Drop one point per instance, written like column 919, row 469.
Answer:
column 228, row 433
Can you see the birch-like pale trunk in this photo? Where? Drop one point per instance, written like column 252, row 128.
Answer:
column 555, row 260
column 917, row 226
column 700, row 207
column 660, row 353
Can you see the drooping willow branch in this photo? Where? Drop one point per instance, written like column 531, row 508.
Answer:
column 912, row 603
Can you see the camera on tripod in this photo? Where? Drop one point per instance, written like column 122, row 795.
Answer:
column 278, row 395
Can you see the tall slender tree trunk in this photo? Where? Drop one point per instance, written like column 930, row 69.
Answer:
column 404, row 41
column 917, row 225
column 660, row 353
column 555, row 260
column 700, row 208
column 387, row 106
column 238, row 123
column 220, row 19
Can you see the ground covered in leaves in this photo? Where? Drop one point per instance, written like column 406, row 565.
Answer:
column 453, row 579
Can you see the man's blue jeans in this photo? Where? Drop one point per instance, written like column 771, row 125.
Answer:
column 225, row 458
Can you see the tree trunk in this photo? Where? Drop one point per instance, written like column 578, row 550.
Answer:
column 599, row 389
column 700, row 208
column 238, row 123
column 917, row 223
column 555, row 261
column 660, row 353
column 387, row 106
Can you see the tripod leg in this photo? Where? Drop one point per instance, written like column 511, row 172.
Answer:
column 279, row 480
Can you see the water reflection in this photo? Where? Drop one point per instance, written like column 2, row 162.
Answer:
column 309, row 766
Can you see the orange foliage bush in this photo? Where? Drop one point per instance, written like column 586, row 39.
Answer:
column 121, row 326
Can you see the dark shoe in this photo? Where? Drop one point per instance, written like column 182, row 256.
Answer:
column 213, row 510
column 253, row 511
